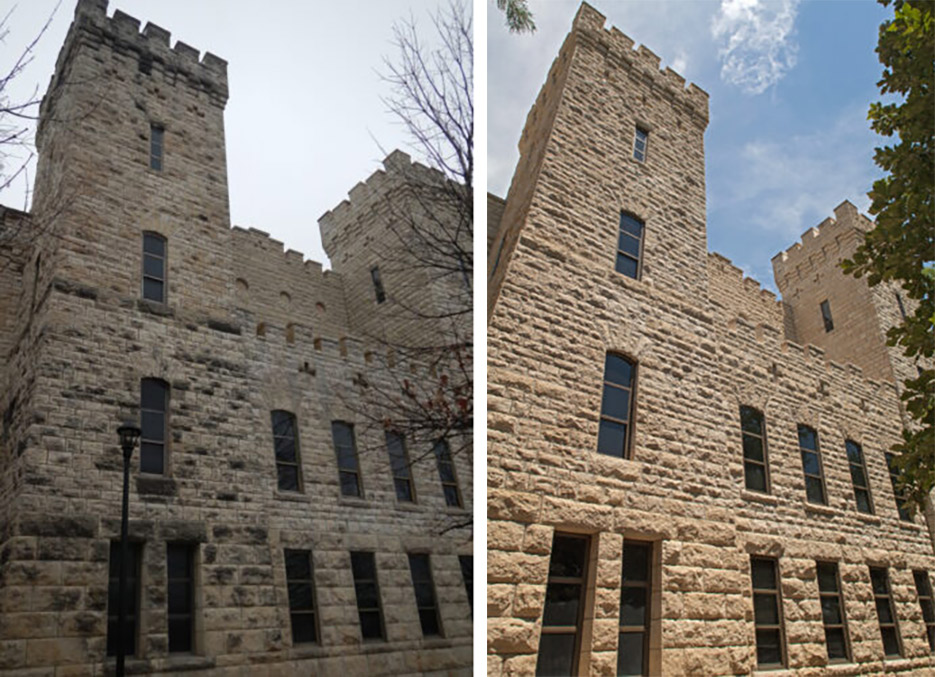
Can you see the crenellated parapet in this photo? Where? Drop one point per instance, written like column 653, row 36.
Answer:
column 736, row 295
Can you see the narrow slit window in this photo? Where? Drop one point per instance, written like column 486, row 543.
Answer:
column 301, row 584
column 446, row 472
column 926, row 601
column 616, row 429
column 154, row 267
column 377, row 284
column 898, row 492
column 629, row 246
column 811, row 465
column 180, row 568
column 886, row 614
column 467, row 573
column 156, row 146
column 635, row 595
column 755, row 465
column 400, row 467
column 640, row 144
column 855, row 458
column 832, row 611
column 902, row 308
column 826, row 316
column 345, row 448
column 154, row 407
column 367, row 591
column 421, row 569
column 767, row 614
column 127, row 634
column 286, row 451
column 563, row 615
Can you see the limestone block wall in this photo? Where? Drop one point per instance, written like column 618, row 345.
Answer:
column 735, row 296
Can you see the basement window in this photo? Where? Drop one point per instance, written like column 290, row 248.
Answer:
column 826, row 316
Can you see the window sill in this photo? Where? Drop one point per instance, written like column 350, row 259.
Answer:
column 435, row 642
column 408, row 506
column 869, row 519
column 296, row 496
column 456, row 510
column 357, row 501
column 758, row 497
column 173, row 663
column 820, row 508
column 309, row 650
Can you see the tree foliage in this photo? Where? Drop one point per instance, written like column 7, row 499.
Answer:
column 901, row 246
column 518, row 17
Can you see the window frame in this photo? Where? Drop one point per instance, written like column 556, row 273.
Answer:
column 898, row 494
column 645, row 629
column 765, row 446
column 134, row 584
column 627, row 451
column 310, row 581
column 356, row 471
column 164, row 442
column 164, row 258
column 190, row 550
column 430, row 582
column 582, row 582
column 407, row 465
column 837, row 594
column 466, row 562
column 640, row 130
column 821, row 466
column 888, row 597
column 297, row 463
column 780, row 626
column 375, row 581
column 826, row 317
column 157, row 149
column 863, row 467
column 641, row 240
column 377, row 279
column 446, row 458
column 924, row 594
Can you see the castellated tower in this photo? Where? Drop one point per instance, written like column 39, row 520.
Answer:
column 671, row 450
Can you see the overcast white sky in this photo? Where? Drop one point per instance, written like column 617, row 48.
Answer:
column 304, row 118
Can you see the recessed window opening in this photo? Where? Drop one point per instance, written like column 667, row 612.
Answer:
column 826, row 316
column 926, row 601
column 902, row 308
column 286, row 450
column 563, row 615
column 886, row 614
column 629, row 246
column 755, row 465
column 640, row 144
column 128, row 633
column 301, row 585
column 858, row 467
column 154, row 405
column 635, row 597
column 156, row 140
column 446, row 472
column 377, row 284
column 154, row 267
column 345, row 448
column 616, row 430
column 811, row 465
column 180, row 568
column 767, row 613
column 367, row 591
column 899, row 492
column 424, row 588
column 832, row 611
column 399, row 465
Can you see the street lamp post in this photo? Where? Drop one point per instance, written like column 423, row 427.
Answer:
column 129, row 433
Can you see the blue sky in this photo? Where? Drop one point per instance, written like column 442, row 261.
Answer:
column 789, row 82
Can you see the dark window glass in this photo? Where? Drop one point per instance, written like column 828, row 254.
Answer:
column 924, row 592
column 767, row 613
column 755, row 466
column 156, row 138
column 467, row 573
column 898, row 492
column 632, row 652
column 811, row 465
column 154, row 406
column 640, row 144
column 832, row 611
column 180, row 567
column 629, row 246
column 424, row 588
column 377, row 284
column 301, row 584
column 826, row 316
column 286, row 451
column 154, row 267
column 367, row 590
column 855, row 458
column 345, row 448
column 616, row 406
column 889, row 630
column 446, row 471
column 561, row 630
column 130, row 627
column 902, row 308
column 399, row 465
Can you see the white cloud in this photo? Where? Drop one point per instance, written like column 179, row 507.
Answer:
column 756, row 41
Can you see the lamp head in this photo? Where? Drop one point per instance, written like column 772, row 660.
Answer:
column 129, row 433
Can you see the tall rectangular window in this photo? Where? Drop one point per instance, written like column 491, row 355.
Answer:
column 180, row 568
column 446, row 472
column 377, row 284
column 629, row 246
column 564, row 606
column 902, row 308
column 467, row 573
column 755, row 466
column 635, row 594
column 832, row 611
column 399, row 465
column 924, row 592
column 640, row 144
column 156, row 137
column 131, row 625
column 154, row 267
column 345, row 448
column 889, row 630
column 286, row 450
column 898, row 492
column 421, row 570
column 855, row 458
column 301, row 584
column 613, row 437
column 767, row 613
column 826, row 316
column 811, row 465
column 154, row 405
column 367, row 590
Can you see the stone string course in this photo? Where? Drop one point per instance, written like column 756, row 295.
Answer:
column 76, row 339
column 706, row 340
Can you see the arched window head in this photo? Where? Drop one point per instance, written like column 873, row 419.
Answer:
column 615, row 433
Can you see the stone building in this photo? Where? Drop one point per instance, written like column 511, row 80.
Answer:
column 275, row 528
column 685, row 475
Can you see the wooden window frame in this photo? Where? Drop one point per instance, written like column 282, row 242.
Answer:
column 582, row 581
column 821, row 468
column 780, row 626
column 189, row 578
column 837, row 594
column 927, row 602
column 297, row 463
column 762, row 437
column 430, row 582
column 164, row 443
column 406, row 465
column 888, row 597
column 295, row 610
column 163, row 258
column 621, row 232
column 347, row 471
column 627, row 451
column 442, row 451
column 640, row 135
column 898, row 494
column 863, row 468
column 648, row 586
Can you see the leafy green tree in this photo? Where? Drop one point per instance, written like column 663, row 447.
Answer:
column 901, row 246
column 518, row 17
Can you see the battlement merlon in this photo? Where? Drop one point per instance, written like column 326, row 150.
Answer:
column 832, row 233
column 263, row 241
column 589, row 24
column 122, row 33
